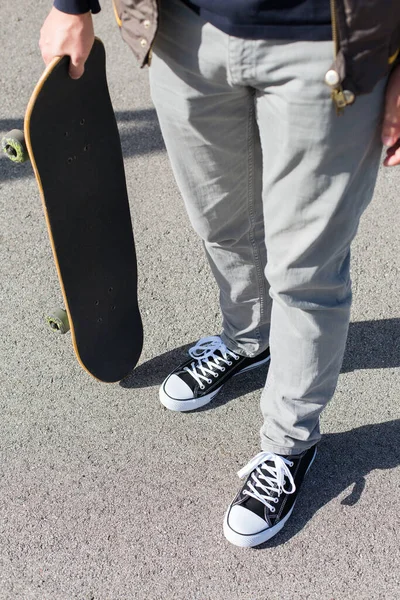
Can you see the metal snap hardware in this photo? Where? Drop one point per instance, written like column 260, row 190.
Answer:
column 350, row 97
column 332, row 78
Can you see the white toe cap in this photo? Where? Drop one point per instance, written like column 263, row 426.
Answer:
column 244, row 521
column 175, row 388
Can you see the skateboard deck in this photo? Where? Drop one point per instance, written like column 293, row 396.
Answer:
column 73, row 143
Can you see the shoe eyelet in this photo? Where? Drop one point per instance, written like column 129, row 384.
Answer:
column 215, row 375
column 202, row 387
column 230, row 363
column 276, row 500
column 237, row 357
column 209, row 380
column 272, row 509
column 291, row 464
column 223, row 369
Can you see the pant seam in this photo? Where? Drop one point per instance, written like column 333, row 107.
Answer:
column 250, row 199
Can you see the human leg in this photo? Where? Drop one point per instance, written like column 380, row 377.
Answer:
column 319, row 176
column 209, row 128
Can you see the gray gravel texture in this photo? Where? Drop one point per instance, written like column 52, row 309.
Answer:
column 104, row 495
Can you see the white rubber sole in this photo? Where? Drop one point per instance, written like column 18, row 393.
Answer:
column 193, row 404
column 249, row 541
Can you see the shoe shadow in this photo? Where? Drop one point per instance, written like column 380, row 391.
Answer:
column 154, row 371
column 370, row 345
column 343, row 460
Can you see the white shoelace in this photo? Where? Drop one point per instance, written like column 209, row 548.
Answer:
column 274, row 481
column 206, row 361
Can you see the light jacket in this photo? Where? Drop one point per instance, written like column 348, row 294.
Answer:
column 366, row 35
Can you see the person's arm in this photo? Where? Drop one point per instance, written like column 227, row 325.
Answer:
column 68, row 30
column 391, row 120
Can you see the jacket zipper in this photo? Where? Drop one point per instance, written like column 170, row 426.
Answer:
column 337, row 94
column 334, row 27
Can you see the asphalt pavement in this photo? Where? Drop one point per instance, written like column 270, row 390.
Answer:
column 105, row 495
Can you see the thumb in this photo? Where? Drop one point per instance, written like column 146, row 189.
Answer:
column 390, row 125
column 390, row 133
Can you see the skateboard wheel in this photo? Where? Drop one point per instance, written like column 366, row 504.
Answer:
column 13, row 144
column 57, row 319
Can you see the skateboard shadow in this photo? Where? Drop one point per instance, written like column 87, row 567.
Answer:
column 370, row 345
column 343, row 462
column 10, row 171
column 8, row 124
column 139, row 132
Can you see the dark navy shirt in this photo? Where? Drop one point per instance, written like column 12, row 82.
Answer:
column 77, row 7
column 251, row 19
column 268, row 19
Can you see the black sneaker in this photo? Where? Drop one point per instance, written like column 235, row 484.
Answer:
column 266, row 501
column 211, row 364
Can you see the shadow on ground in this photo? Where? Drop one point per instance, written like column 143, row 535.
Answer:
column 139, row 131
column 370, row 345
column 343, row 461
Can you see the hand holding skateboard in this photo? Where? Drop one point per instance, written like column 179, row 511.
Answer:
column 63, row 34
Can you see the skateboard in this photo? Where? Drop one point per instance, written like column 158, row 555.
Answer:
column 72, row 140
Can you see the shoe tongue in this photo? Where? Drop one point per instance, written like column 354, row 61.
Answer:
column 199, row 362
column 255, row 506
column 268, row 474
column 211, row 355
column 203, row 350
column 252, row 503
column 204, row 360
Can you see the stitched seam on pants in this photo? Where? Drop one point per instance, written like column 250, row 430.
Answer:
column 250, row 198
column 229, row 61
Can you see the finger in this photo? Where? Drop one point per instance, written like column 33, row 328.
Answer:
column 391, row 124
column 76, row 68
column 390, row 136
column 45, row 52
column 392, row 155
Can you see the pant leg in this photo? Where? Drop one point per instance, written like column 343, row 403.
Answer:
column 319, row 175
column 210, row 132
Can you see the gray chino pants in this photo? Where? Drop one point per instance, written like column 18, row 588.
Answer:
column 274, row 183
